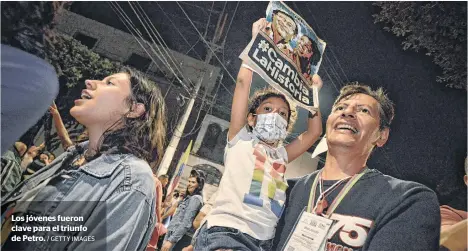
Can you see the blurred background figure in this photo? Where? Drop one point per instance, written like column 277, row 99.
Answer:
column 30, row 155
column 199, row 220
column 454, row 225
column 164, row 180
column 11, row 166
column 62, row 132
column 180, row 230
column 159, row 228
column 39, row 162
column 169, row 208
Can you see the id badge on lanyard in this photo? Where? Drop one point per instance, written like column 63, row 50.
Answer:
column 309, row 234
column 311, row 230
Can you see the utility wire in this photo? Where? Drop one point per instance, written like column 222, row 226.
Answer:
column 160, row 41
column 129, row 24
column 209, row 47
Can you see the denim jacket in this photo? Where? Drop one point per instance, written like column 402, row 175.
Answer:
column 115, row 193
column 11, row 170
column 182, row 221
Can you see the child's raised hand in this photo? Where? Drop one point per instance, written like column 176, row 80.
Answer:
column 258, row 26
column 315, row 81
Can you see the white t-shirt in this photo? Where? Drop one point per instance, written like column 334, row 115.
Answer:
column 206, row 209
column 251, row 194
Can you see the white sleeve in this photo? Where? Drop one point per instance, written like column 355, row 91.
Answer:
column 282, row 153
column 243, row 134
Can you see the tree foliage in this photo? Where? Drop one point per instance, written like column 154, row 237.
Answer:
column 436, row 28
column 29, row 26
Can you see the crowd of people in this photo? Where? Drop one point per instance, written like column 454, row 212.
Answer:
column 107, row 179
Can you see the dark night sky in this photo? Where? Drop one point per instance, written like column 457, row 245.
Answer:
column 428, row 136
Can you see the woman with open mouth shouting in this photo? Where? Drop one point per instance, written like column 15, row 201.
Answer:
column 106, row 183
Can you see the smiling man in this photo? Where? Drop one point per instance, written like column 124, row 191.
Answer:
column 282, row 29
column 349, row 206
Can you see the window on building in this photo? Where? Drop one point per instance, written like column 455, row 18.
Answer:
column 139, row 62
column 86, row 40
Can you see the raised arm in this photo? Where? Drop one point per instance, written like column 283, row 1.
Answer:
column 170, row 211
column 240, row 100
column 159, row 194
column 40, row 147
column 60, row 127
column 314, row 129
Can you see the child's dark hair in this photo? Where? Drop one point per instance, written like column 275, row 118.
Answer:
column 261, row 95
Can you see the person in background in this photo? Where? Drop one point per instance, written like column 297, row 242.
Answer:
column 169, row 208
column 454, row 224
column 31, row 154
column 204, row 211
column 180, row 230
column 164, row 179
column 159, row 228
column 51, row 157
column 11, row 166
column 41, row 161
column 62, row 132
column 200, row 219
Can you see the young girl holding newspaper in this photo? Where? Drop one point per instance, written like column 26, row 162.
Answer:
column 252, row 191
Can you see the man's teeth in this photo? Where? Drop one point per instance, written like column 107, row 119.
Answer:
column 85, row 96
column 348, row 127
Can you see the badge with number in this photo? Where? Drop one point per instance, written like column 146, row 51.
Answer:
column 309, row 233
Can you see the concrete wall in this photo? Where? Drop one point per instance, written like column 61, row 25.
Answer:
column 118, row 45
column 301, row 166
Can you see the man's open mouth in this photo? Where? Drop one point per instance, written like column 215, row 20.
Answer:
column 347, row 127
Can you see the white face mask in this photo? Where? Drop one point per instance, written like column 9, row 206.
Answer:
column 270, row 127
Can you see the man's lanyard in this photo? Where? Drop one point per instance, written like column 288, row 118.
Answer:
column 339, row 197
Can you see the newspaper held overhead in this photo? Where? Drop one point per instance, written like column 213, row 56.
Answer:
column 286, row 55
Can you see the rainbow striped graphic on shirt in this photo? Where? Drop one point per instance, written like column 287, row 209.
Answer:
column 276, row 188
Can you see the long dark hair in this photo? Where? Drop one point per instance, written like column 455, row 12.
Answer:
column 145, row 135
column 263, row 94
column 200, row 176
